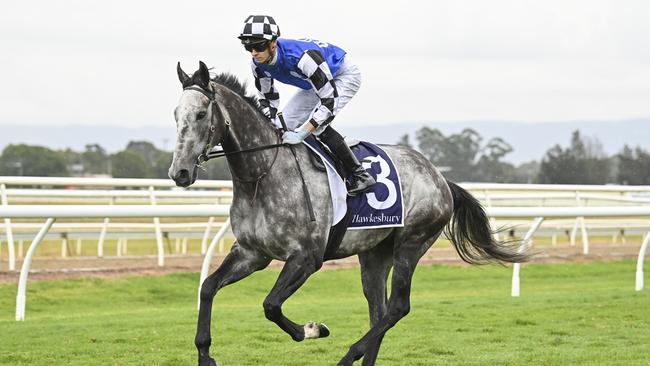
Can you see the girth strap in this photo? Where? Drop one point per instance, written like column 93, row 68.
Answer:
column 305, row 190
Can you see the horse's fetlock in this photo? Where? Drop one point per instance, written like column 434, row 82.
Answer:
column 272, row 310
column 202, row 342
column 401, row 310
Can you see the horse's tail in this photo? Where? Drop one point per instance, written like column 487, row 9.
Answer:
column 469, row 231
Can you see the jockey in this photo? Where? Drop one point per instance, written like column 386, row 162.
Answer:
column 327, row 80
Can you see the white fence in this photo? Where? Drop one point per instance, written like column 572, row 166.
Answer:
column 541, row 213
column 55, row 211
column 633, row 197
column 135, row 191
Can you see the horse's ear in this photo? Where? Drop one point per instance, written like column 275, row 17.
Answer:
column 182, row 76
column 204, row 75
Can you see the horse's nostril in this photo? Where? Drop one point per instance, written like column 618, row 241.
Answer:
column 182, row 174
column 182, row 178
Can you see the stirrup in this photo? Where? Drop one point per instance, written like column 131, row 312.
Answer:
column 362, row 184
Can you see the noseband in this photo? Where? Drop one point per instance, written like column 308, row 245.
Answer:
column 211, row 95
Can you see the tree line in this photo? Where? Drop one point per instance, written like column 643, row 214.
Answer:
column 140, row 159
column 467, row 157
column 464, row 157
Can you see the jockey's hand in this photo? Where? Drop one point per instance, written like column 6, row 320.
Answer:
column 296, row 136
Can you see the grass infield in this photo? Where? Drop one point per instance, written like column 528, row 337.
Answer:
column 569, row 314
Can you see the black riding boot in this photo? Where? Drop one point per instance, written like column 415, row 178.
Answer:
column 362, row 179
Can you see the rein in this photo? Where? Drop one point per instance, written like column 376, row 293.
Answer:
column 219, row 154
column 207, row 154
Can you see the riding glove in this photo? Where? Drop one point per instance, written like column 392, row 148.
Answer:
column 296, row 136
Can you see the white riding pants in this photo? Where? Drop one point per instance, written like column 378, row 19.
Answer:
column 301, row 106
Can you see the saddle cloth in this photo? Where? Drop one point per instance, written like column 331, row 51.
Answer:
column 382, row 205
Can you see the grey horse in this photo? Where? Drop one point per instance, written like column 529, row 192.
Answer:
column 270, row 218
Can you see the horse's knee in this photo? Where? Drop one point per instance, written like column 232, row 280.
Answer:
column 312, row 263
column 272, row 309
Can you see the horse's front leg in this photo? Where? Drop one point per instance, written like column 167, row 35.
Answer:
column 238, row 264
column 293, row 275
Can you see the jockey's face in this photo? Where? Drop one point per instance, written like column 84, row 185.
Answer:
column 265, row 56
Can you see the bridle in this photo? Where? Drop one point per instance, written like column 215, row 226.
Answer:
column 207, row 154
column 211, row 95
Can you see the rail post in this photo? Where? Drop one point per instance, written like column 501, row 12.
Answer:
column 8, row 230
column 159, row 238
column 639, row 262
column 102, row 233
column 24, row 271
column 205, row 267
column 516, row 268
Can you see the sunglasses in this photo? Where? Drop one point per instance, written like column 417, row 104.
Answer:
column 258, row 47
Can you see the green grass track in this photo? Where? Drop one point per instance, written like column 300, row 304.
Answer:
column 568, row 314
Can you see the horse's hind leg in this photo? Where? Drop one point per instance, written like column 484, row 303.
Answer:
column 238, row 264
column 375, row 266
column 405, row 259
column 293, row 275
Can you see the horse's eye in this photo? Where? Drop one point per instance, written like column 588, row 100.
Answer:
column 200, row 115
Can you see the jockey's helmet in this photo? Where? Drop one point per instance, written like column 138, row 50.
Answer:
column 259, row 28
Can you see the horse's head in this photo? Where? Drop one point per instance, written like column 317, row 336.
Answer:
column 199, row 124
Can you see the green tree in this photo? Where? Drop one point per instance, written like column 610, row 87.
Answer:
column 73, row 162
column 157, row 160
column 95, row 160
column 404, row 141
column 526, row 172
column 161, row 165
column 583, row 162
column 490, row 168
column 145, row 149
column 432, row 143
column 32, row 160
column 216, row 169
column 633, row 166
column 460, row 152
column 129, row 164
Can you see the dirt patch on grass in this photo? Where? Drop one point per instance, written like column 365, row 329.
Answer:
column 108, row 267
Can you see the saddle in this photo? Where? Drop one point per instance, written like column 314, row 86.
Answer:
column 317, row 161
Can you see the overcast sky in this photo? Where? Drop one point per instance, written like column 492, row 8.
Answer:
column 113, row 62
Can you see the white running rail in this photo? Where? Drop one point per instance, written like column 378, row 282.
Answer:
column 52, row 212
column 541, row 213
column 75, row 191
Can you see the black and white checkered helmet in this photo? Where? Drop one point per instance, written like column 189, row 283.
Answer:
column 259, row 27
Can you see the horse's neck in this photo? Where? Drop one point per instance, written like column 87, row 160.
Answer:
column 248, row 129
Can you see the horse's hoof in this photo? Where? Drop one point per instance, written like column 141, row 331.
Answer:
column 315, row 330
column 324, row 330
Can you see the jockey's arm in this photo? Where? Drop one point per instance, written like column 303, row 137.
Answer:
column 313, row 65
column 268, row 95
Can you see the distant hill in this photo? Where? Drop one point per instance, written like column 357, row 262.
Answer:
column 529, row 140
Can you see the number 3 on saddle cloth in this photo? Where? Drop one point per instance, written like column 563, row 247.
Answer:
column 381, row 206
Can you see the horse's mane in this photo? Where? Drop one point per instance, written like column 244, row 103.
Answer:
column 231, row 82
